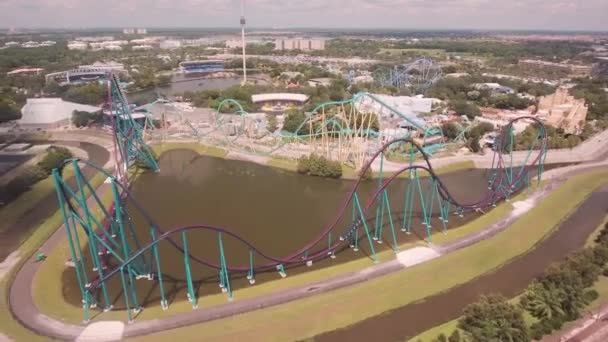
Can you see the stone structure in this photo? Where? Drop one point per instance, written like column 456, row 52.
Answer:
column 573, row 70
column 562, row 110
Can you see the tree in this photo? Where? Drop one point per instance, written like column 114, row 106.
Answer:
column 8, row 111
column 571, row 284
column 91, row 93
column 466, row 108
column 450, row 130
column 54, row 158
column 543, row 302
column 293, row 120
column 272, row 123
column 492, row 318
column 455, row 336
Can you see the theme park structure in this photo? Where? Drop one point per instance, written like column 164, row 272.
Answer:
column 348, row 131
column 418, row 75
column 115, row 251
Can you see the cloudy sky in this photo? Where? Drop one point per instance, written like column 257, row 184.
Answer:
column 416, row 14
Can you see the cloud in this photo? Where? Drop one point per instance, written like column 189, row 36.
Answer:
column 424, row 14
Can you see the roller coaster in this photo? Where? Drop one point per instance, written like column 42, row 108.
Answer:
column 348, row 131
column 418, row 75
column 118, row 250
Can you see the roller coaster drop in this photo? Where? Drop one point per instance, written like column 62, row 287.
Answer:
column 115, row 251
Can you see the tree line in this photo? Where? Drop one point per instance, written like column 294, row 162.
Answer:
column 560, row 295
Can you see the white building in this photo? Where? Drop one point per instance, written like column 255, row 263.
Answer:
column 109, row 66
column 141, row 31
column 299, row 44
column 170, row 44
column 48, row 113
column 113, row 47
column 234, row 43
column 77, row 46
column 142, row 47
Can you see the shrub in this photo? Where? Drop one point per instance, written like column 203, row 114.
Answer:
column 54, row 158
column 315, row 165
column 590, row 296
column 455, row 336
column 493, row 318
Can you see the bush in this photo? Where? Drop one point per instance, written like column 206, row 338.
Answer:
column 314, row 165
column 54, row 158
column 493, row 318
column 590, row 296
column 455, row 336
column 605, row 272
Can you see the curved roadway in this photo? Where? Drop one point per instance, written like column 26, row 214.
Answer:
column 24, row 309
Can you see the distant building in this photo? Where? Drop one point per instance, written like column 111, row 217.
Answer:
column 572, row 69
column 493, row 87
column 77, row 45
column 201, row 66
column 170, row 44
column 30, row 44
column 142, row 47
column 398, row 108
column 141, row 31
column 234, row 44
column 12, row 44
column 315, row 82
column 299, row 44
column 128, row 31
column 601, row 66
column 562, row 110
column 95, row 72
column 25, row 71
column 47, row 113
column 278, row 102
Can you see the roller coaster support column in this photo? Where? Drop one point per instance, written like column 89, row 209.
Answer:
column 251, row 273
column 364, row 221
column 224, row 276
column 76, row 257
column 424, row 213
column 191, row 295
column 82, row 202
column 159, row 273
column 126, row 253
column 379, row 222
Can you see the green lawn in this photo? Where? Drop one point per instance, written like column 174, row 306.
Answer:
column 160, row 148
column 343, row 307
column 10, row 213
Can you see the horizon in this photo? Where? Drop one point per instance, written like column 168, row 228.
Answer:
column 484, row 15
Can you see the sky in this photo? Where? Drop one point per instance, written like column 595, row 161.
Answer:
column 405, row 14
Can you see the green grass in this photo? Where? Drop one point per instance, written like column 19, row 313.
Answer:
column 200, row 148
column 8, row 325
column 283, row 163
column 349, row 305
column 10, row 213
